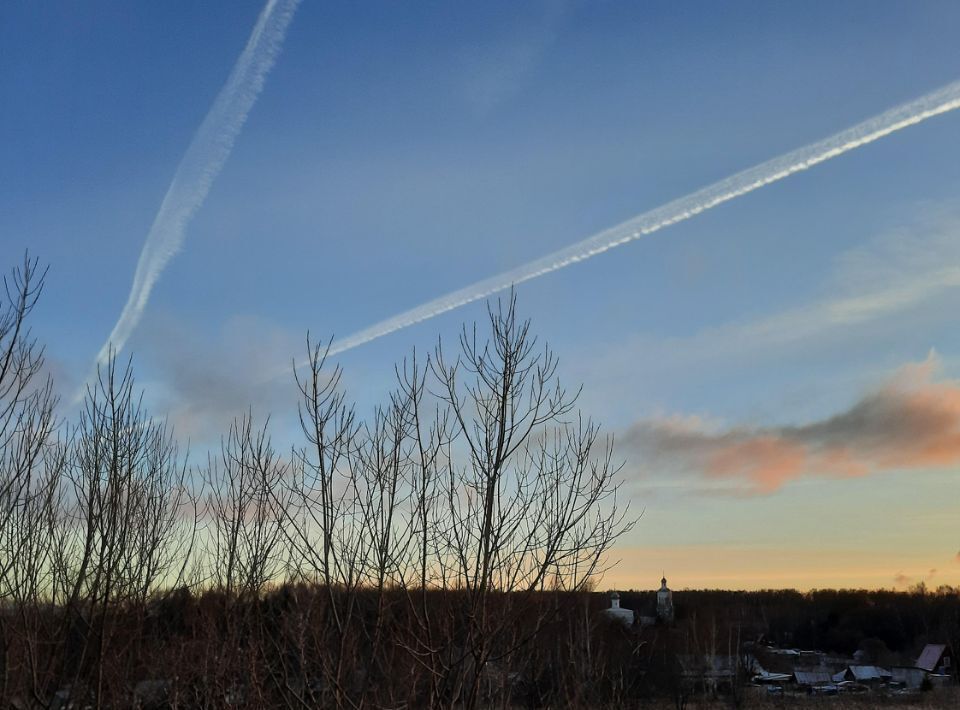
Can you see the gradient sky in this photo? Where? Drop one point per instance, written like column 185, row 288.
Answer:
column 782, row 373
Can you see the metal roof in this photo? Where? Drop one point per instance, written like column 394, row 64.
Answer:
column 930, row 657
column 862, row 673
column 813, row 677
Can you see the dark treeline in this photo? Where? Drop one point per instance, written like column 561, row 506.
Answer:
column 209, row 648
column 215, row 649
column 416, row 557
column 889, row 627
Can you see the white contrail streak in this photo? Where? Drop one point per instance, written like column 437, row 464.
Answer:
column 200, row 165
column 908, row 114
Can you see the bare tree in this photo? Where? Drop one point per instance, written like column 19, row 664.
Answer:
column 245, row 513
column 326, row 522
column 26, row 404
column 30, row 581
column 28, row 467
column 477, row 477
column 126, row 530
column 245, row 551
column 532, row 500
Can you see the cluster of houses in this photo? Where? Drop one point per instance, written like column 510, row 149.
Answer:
column 817, row 672
column 792, row 670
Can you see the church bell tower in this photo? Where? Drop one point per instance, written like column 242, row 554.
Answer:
column 664, row 602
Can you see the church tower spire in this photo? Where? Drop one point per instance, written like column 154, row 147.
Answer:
column 664, row 601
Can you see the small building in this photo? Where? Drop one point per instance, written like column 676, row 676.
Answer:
column 911, row 678
column 763, row 677
column 873, row 675
column 812, row 678
column 617, row 613
column 936, row 658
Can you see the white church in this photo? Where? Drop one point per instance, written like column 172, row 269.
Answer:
column 629, row 617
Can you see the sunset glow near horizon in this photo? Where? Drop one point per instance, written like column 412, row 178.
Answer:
column 781, row 374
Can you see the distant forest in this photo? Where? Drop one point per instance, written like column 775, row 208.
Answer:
column 890, row 627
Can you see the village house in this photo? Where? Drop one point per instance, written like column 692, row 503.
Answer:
column 937, row 658
column 868, row 675
column 908, row 676
column 812, row 678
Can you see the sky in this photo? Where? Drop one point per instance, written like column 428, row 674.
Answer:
column 781, row 373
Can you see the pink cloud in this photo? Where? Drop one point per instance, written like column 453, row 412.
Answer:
column 766, row 460
column 912, row 421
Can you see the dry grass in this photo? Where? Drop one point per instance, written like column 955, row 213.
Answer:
column 939, row 699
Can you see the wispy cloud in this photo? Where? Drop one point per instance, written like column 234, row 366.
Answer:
column 902, row 580
column 203, row 380
column 497, row 70
column 200, row 165
column 896, row 272
column 890, row 276
column 912, row 421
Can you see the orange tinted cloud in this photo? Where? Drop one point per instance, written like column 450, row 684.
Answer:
column 912, row 421
column 902, row 580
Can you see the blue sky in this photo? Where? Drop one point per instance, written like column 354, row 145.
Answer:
column 400, row 151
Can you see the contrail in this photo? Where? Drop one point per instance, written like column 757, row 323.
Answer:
column 200, row 165
column 908, row 114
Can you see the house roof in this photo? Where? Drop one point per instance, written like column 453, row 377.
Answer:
column 930, row 657
column 813, row 677
column 862, row 673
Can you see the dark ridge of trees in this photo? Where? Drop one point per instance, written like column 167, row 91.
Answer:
column 895, row 625
column 272, row 650
column 213, row 648
column 880, row 627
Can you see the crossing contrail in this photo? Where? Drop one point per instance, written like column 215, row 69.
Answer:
column 200, row 165
column 908, row 114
